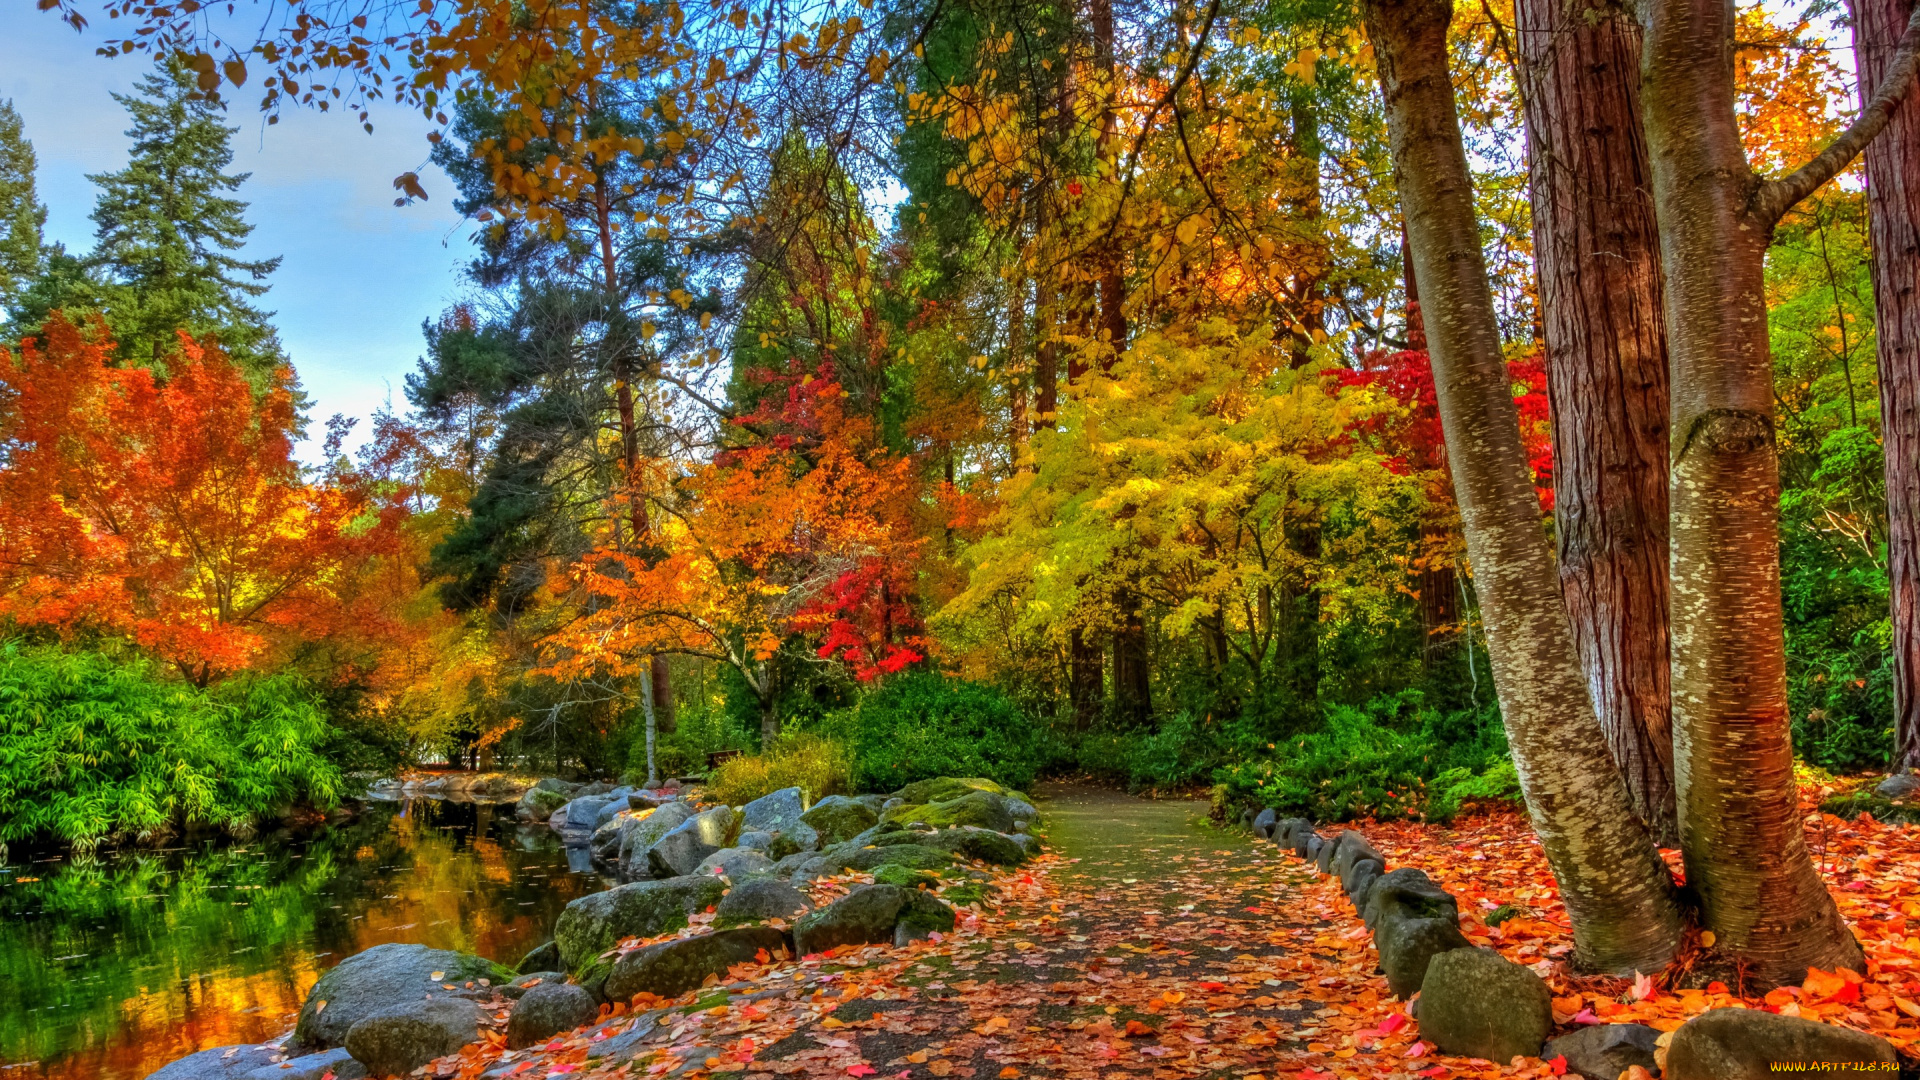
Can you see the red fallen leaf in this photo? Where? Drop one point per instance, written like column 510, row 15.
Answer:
column 1212, row 987
column 762, row 955
column 1559, row 1065
column 1437, row 1070
column 1585, row 1016
column 1418, row 1049
column 862, row 1069
column 1393, row 1023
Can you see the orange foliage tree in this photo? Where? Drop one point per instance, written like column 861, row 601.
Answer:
column 805, row 532
column 170, row 514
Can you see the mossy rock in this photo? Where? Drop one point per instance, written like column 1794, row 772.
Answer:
column 1865, row 800
column 985, row 845
column 895, row 874
column 970, row 893
column 943, row 788
column 595, row 923
column 1501, row 914
column 911, row 856
column 838, row 818
column 981, row 809
column 672, row 968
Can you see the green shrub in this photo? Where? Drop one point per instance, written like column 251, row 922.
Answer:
column 1180, row 752
column 1455, row 789
column 1376, row 761
column 819, row 767
column 92, row 747
column 921, row 725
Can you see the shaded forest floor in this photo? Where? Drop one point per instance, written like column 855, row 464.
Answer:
column 1151, row 945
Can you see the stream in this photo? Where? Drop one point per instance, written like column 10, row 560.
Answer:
column 113, row 966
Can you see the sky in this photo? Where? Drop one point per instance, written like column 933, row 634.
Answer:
column 358, row 274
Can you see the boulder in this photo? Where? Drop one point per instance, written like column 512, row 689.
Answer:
column 1349, row 849
column 680, row 851
column 779, row 810
column 759, row 899
column 336, row 1063
column 1323, row 859
column 1408, row 944
column 912, row 856
column 1310, row 850
column 1359, row 880
column 1477, row 1003
column 755, row 840
column 672, row 968
column 1604, row 1051
column 923, row 916
column 538, row 803
column 644, row 829
column 612, row 808
column 815, row 867
column 796, row 837
column 838, row 818
column 1263, row 823
column 735, row 864
column 789, row 863
column 595, row 923
column 870, row 915
column 578, row 818
column 546, row 1011
column 1899, row 786
column 980, row 808
column 894, row 874
column 400, row 1038
column 605, row 842
column 1741, row 1044
column 985, row 845
column 943, row 788
column 518, row 988
column 1408, row 892
column 219, row 1063
column 369, row 981
column 540, row 958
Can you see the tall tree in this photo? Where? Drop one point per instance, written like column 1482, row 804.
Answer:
column 1893, row 224
column 168, row 231
column 21, row 215
column 1597, row 251
column 1616, row 889
column 1736, row 803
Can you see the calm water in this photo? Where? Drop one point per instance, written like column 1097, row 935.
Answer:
column 111, row 968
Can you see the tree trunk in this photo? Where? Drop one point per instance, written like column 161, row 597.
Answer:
column 1616, row 890
column 1597, row 250
column 1113, row 285
column 663, row 708
column 1736, row 802
column 1893, row 224
column 1132, row 693
column 1086, row 680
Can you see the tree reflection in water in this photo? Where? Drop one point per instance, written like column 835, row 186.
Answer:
column 115, row 965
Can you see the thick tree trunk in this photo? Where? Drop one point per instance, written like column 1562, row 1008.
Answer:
column 1086, row 679
column 1616, row 890
column 1598, row 254
column 662, row 693
column 1132, row 695
column 1893, row 209
column 1737, row 805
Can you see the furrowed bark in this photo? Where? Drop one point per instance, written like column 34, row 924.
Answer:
column 1597, row 250
column 1893, row 225
column 1736, row 802
column 1616, row 890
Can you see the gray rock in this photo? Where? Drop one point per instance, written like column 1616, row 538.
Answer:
column 522, row 983
column 615, row 805
column 1477, row 1003
column 1408, row 892
column 1899, row 786
column 1408, row 944
column 312, row 1067
column 1360, row 879
column 369, row 981
column 796, row 837
column 595, row 923
column 789, row 863
column 755, row 840
column 912, row 856
column 605, row 842
column 578, row 819
column 838, row 818
column 998, row 849
column 869, row 915
column 759, row 899
column 1323, row 858
column 1263, row 823
column 1604, row 1051
column 402, row 1037
column 642, row 831
column 776, row 811
column 1351, row 848
column 680, row 851
column 1739, row 1044
column 546, row 1011
column 219, row 1063
column 540, row 958
column 538, row 803
column 816, row 867
column 672, row 968
column 735, row 864
column 1310, row 850
column 984, row 809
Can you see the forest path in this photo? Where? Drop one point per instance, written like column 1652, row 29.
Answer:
column 1157, row 946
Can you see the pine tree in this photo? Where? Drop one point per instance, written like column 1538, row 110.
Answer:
column 166, row 228
column 21, row 215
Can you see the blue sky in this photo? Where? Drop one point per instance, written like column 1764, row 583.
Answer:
column 358, row 273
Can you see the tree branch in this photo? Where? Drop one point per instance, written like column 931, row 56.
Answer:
column 1774, row 198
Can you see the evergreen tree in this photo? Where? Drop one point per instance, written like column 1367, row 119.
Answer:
column 167, row 229
column 21, row 215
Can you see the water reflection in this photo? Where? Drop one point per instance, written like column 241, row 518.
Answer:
column 113, row 967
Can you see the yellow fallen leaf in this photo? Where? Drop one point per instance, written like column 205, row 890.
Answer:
column 830, row 1023
column 1706, row 938
column 436, row 976
column 1346, row 1053
column 918, row 1057
column 1903, row 1005
column 940, row 1068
